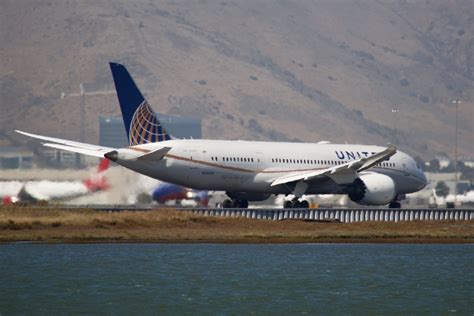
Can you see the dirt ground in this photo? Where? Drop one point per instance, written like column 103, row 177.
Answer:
column 164, row 225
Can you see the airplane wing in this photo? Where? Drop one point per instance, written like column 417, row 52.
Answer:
column 69, row 145
column 131, row 153
column 99, row 152
column 63, row 141
column 341, row 174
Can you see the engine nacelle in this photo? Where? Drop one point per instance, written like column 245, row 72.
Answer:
column 373, row 189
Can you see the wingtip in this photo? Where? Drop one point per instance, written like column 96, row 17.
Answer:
column 392, row 147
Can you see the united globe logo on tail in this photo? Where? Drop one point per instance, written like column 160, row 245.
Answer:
column 145, row 127
column 140, row 120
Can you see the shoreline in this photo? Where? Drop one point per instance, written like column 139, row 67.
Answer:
column 56, row 225
column 439, row 241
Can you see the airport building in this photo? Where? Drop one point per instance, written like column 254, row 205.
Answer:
column 15, row 158
column 62, row 158
column 112, row 130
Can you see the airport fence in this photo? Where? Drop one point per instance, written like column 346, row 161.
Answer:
column 344, row 215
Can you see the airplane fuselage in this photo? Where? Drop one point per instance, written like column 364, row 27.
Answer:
column 251, row 166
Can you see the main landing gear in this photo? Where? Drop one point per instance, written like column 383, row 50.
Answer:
column 235, row 203
column 394, row 205
column 295, row 203
column 396, row 201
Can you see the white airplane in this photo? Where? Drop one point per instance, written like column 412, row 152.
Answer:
column 45, row 190
column 466, row 198
column 250, row 170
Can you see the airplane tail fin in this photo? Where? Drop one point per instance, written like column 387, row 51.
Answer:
column 98, row 182
column 140, row 120
column 103, row 165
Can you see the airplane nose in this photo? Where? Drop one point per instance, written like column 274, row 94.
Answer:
column 424, row 180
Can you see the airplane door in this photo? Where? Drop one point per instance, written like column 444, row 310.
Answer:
column 193, row 157
column 260, row 158
column 405, row 165
column 191, row 174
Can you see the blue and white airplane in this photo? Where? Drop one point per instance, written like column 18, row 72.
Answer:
column 251, row 170
column 166, row 192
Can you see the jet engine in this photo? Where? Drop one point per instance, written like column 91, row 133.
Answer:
column 372, row 189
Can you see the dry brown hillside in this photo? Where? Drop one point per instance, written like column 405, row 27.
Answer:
column 268, row 70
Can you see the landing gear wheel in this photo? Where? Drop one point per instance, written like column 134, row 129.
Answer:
column 227, row 203
column 296, row 204
column 287, row 204
column 304, row 204
column 235, row 203
column 243, row 203
column 394, row 205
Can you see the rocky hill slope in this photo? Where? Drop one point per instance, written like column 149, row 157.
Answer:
column 267, row 70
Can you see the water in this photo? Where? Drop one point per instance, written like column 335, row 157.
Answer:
column 236, row 279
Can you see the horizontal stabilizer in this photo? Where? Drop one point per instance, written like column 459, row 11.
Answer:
column 132, row 153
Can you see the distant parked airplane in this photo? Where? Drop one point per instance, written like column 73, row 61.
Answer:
column 46, row 190
column 166, row 192
column 467, row 198
column 250, row 170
